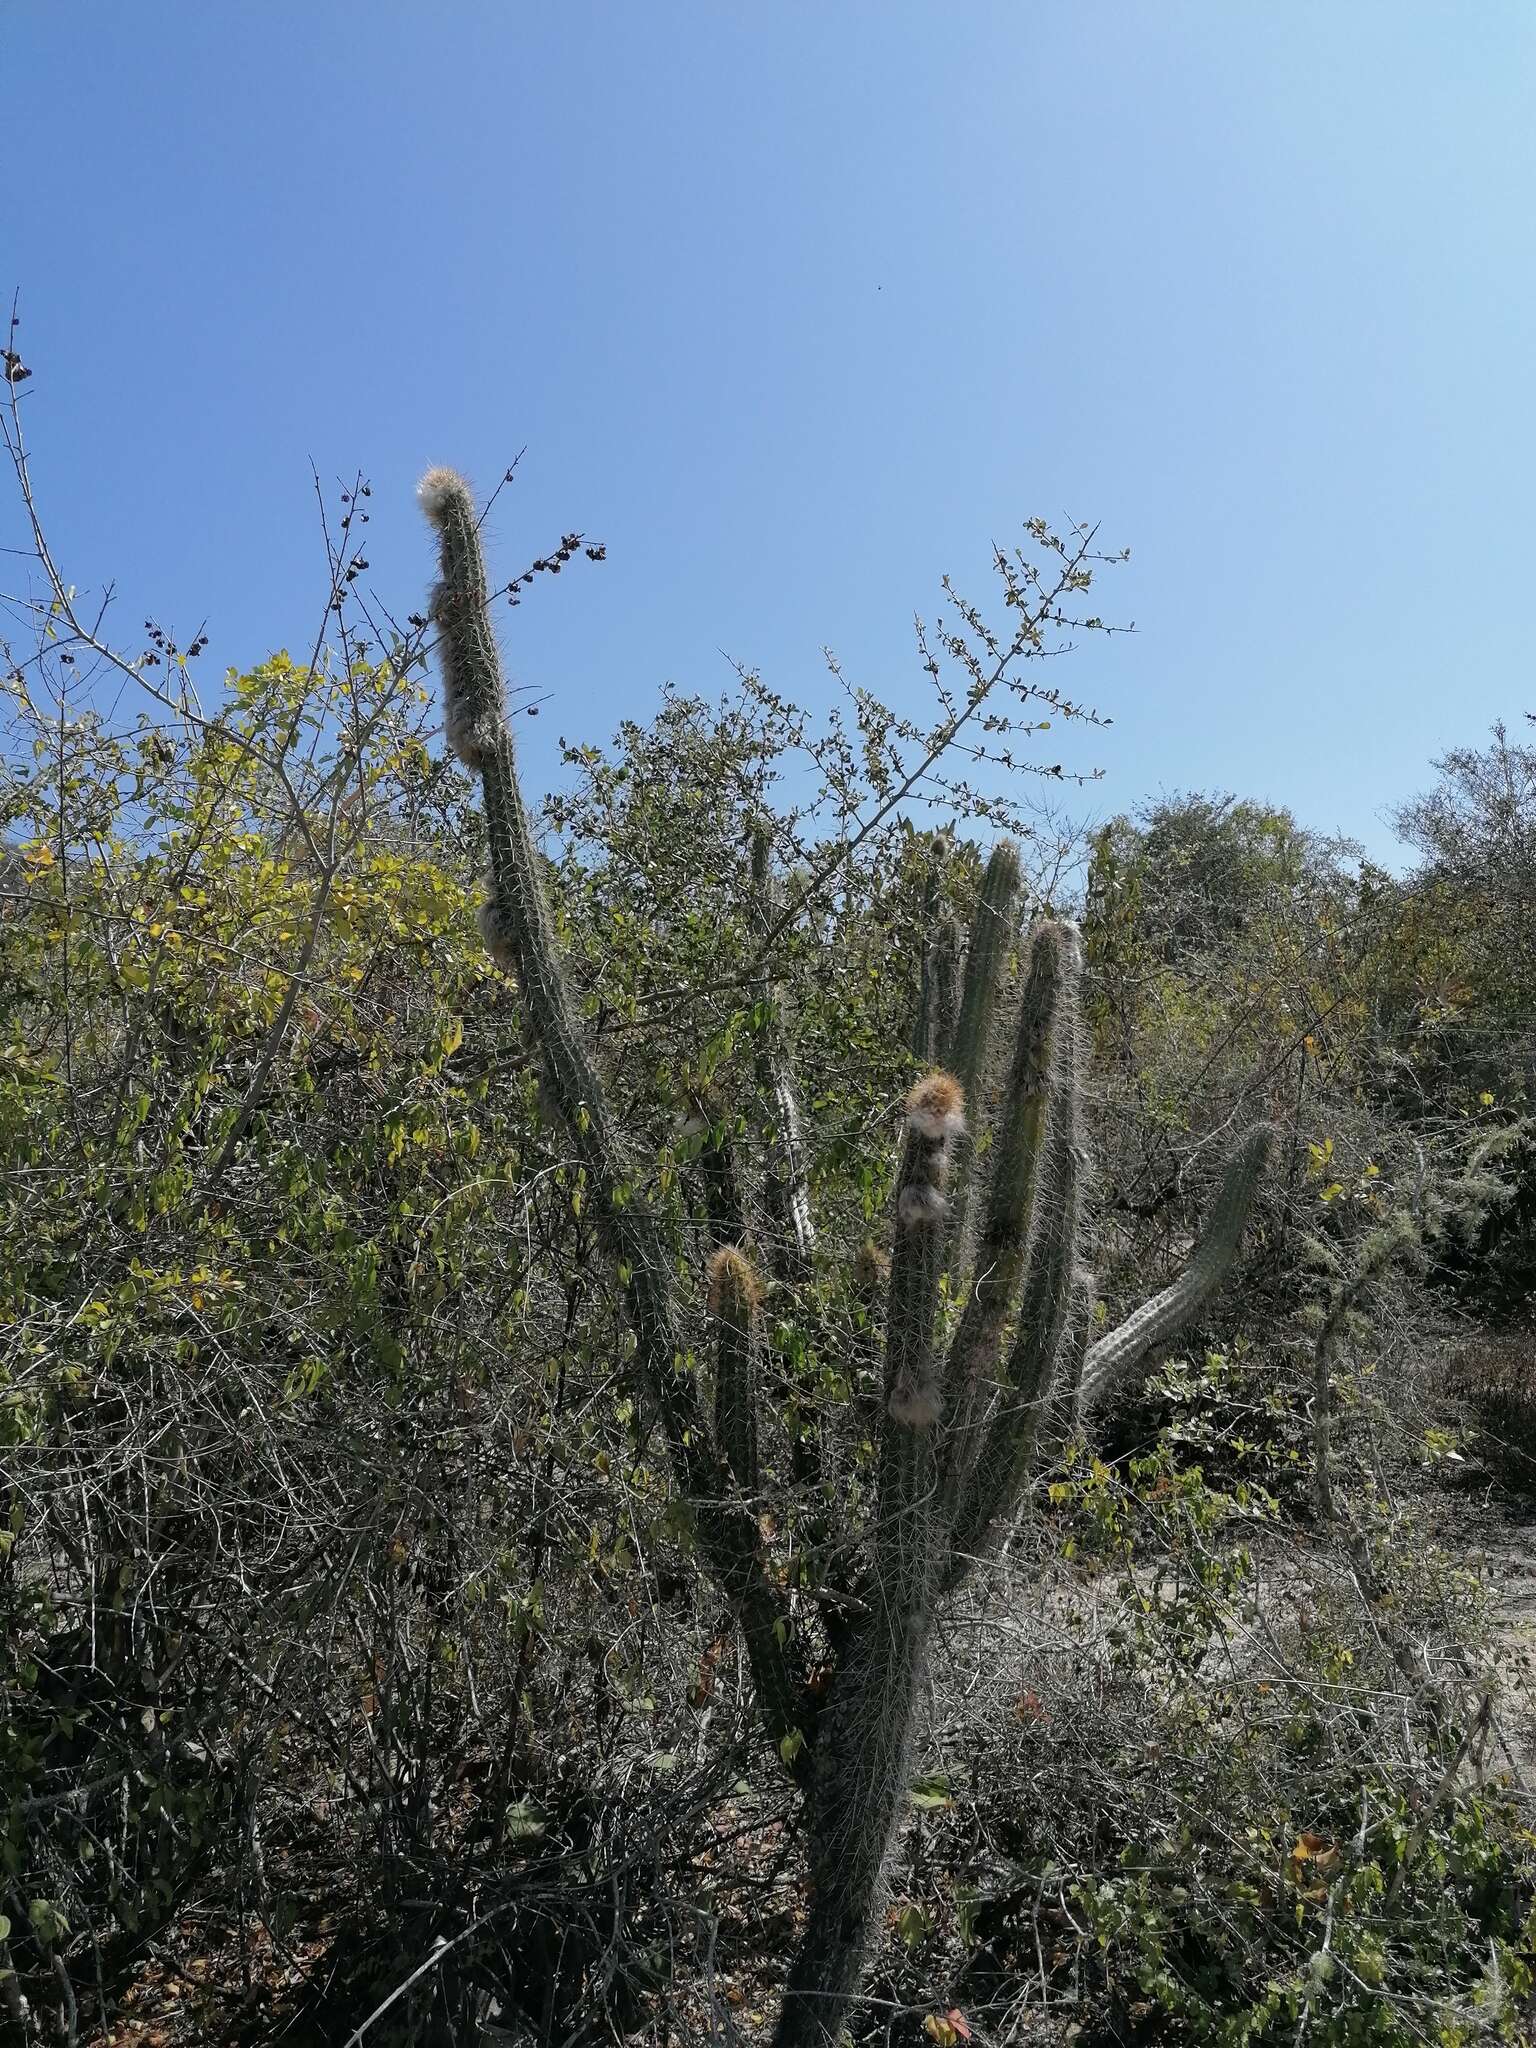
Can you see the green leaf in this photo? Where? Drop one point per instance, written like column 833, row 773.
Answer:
column 48, row 1922
column 524, row 1822
column 931, row 1792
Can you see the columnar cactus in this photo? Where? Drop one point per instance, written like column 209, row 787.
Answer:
column 938, row 1002
column 963, row 1414
column 992, row 936
column 521, row 938
column 733, row 1298
column 787, row 1189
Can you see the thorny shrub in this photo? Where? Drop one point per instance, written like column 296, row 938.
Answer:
column 347, row 1625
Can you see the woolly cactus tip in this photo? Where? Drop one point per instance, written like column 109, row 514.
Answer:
column 920, row 1202
column 936, row 1106
column 760, row 847
column 1258, row 1143
column 1060, row 935
column 1001, row 880
column 914, row 1404
column 871, row 1267
column 439, row 488
column 497, row 936
column 734, row 1288
column 1002, row 866
column 1245, row 1168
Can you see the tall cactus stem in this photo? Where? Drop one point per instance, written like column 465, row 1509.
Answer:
column 864, row 1745
column 721, row 1185
column 1034, row 1079
column 521, row 933
column 992, row 931
column 1167, row 1313
column 935, row 1119
column 733, row 1300
column 474, row 695
column 864, row 1753
column 1060, row 1419
column 994, row 1483
column 938, row 1009
column 788, row 1179
column 991, row 935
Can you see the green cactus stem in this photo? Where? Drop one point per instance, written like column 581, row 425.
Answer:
column 1060, row 1418
column 935, row 1113
column 520, row 935
column 787, row 1180
column 992, row 933
column 474, row 698
column 720, row 1186
column 1113, row 1356
column 938, row 1002
column 870, row 1278
column 1035, row 1075
column 995, row 1472
column 956, row 1438
column 733, row 1298
column 865, row 1739
column 986, row 961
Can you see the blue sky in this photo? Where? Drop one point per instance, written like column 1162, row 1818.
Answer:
column 797, row 307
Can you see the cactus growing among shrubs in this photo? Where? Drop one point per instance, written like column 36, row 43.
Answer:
column 957, row 1432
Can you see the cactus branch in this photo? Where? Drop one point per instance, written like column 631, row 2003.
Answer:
column 935, row 1122
column 986, row 961
column 938, row 1003
column 788, row 1187
column 1050, row 986
column 721, row 1188
column 733, row 1299
column 865, row 1741
column 520, row 935
column 991, row 935
column 1060, row 1416
column 870, row 1281
column 992, row 1485
column 1167, row 1313
column 1400, row 1236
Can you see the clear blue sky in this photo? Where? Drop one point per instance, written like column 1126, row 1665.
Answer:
column 797, row 306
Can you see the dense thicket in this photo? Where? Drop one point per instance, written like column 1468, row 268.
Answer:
column 365, row 1672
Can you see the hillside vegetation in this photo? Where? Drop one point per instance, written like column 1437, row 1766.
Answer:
column 774, row 1395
